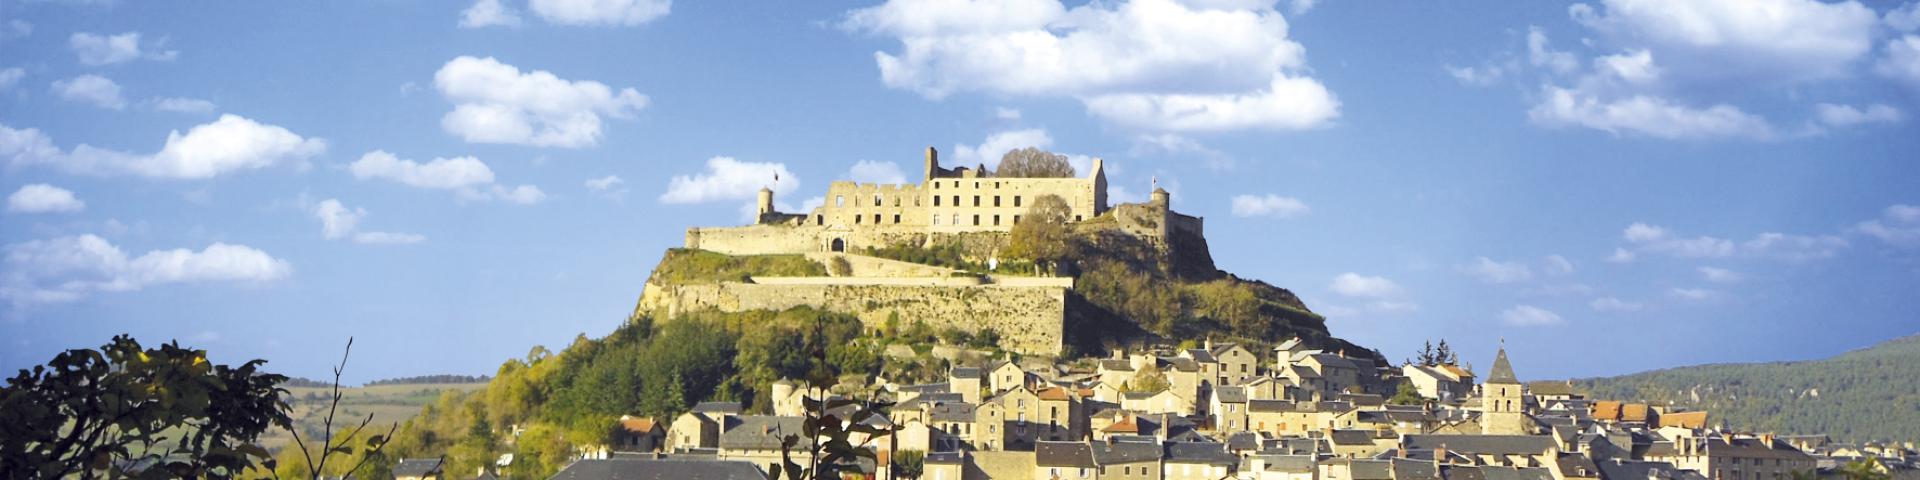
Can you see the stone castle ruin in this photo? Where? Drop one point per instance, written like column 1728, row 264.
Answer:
column 957, row 204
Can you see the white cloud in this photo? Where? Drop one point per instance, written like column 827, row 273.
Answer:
column 1175, row 145
column 1651, row 239
column 1490, row 271
column 339, row 222
column 466, row 176
column 1902, row 60
column 1846, row 115
column 1357, row 285
column 1557, row 265
column 1695, row 294
column 1151, row 64
column 439, row 173
column 610, row 186
column 489, row 13
column 1008, row 114
column 1635, row 67
column 1620, row 255
column 1648, row 115
column 11, row 76
column 1481, row 76
column 43, row 198
column 1269, row 205
column 1530, row 316
column 1610, row 304
column 90, row 89
column 230, row 144
column 600, row 12
column 997, row 145
column 497, row 103
column 68, row 269
column 1898, row 226
column 183, row 105
column 1720, row 275
column 868, row 171
column 727, row 179
column 1540, row 53
column 16, row 28
column 96, row 49
column 1905, row 19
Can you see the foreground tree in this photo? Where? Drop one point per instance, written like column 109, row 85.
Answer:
column 1042, row 234
column 1034, row 163
column 128, row 411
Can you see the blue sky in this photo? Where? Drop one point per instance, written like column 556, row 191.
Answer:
column 1610, row 186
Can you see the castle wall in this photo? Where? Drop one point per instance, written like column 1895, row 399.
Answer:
column 1029, row 319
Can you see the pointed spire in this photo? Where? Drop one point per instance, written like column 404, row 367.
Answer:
column 1502, row 369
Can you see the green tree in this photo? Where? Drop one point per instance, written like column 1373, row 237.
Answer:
column 1865, row 469
column 124, row 410
column 1034, row 163
column 909, row 464
column 1148, row 380
column 1406, row 394
column 1042, row 234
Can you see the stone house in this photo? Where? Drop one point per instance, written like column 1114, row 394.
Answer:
column 1127, row 460
column 757, row 439
column 638, row 434
column 701, row 426
column 1445, row 383
column 1237, row 364
column 1064, row 460
column 1736, row 458
column 1197, row 461
column 1228, row 407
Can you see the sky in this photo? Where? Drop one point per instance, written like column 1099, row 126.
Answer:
column 1606, row 186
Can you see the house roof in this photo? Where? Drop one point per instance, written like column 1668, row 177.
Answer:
column 1502, row 370
column 659, row 469
column 1695, row 419
column 1290, row 463
column 1411, row 469
column 1201, row 355
column 964, row 372
column 1370, row 469
column 1054, row 393
column 418, row 467
column 1243, row 441
column 1063, row 454
column 1198, row 453
column 945, row 458
column 1116, row 365
column 1115, row 453
column 1560, row 388
column 1351, row 437
column 760, row 432
column 1577, row 465
column 1230, row 394
column 1515, row 473
column 1265, row 406
column 1483, row 444
column 1630, row 470
column 639, row 424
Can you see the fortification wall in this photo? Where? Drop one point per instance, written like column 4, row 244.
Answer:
column 1029, row 319
column 799, row 239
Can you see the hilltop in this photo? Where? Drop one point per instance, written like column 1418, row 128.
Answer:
column 1862, row 395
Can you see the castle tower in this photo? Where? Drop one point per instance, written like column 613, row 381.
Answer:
column 1160, row 198
column 933, row 162
column 1502, row 406
column 766, row 201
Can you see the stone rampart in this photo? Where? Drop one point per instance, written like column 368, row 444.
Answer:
column 1029, row 319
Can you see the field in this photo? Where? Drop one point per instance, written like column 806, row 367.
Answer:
column 388, row 404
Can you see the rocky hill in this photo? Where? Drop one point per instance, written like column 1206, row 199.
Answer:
column 1862, row 395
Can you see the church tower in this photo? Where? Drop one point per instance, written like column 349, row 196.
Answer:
column 1502, row 408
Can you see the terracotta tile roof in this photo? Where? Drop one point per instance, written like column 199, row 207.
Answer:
column 1054, row 393
column 638, row 424
column 1606, row 410
column 1684, row 419
column 1123, row 426
column 1634, row 412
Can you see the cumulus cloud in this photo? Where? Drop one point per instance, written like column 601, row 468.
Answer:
column 183, row 105
column 997, row 145
column 1901, row 61
column 1842, row 116
column 1490, row 271
column 600, row 12
column 1695, row 294
column 1610, row 304
column 90, row 89
column 1357, row 285
column 1150, row 64
column 337, row 222
column 1530, row 316
column 868, row 171
column 230, row 144
column 43, row 198
column 1481, row 76
column 497, row 103
column 1182, row 148
column 1269, row 205
column 1905, row 19
column 95, row 49
column 489, row 13
column 1557, row 265
column 466, row 176
column 1898, row 226
column 68, row 269
column 1648, row 115
column 1650, row 239
column 610, row 186
column 727, row 179
column 1008, row 114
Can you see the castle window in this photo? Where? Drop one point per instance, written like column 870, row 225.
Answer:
column 1016, row 219
column 936, row 200
column 936, row 185
column 876, row 200
column 876, row 219
column 839, row 200
column 976, row 220
column 856, row 219
column 1016, row 200
column 956, row 200
column 936, row 219
column 956, row 219
column 976, row 200
column 976, row 184
column 996, row 220
column 896, row 219
column 996, row 200
column 896, row 201
column 819, row 220
column 1076, row 218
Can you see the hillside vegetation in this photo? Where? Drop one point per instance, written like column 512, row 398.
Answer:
column 1863, row 395
column 686, row 266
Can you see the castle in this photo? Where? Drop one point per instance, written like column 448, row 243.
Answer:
column 950, row 201
column 960, row 204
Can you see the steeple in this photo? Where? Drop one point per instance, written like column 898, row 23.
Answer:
column 1502, row 369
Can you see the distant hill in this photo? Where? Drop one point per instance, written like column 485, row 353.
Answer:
column 431, row 379
column 1862, row 395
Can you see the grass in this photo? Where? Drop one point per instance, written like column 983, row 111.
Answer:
column 687, row 266
column 388, row 404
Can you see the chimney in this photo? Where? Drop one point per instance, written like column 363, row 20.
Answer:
column 1402, row 452
column 1440, row 454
